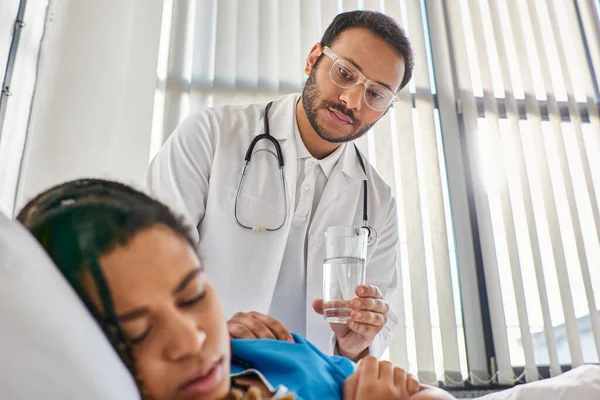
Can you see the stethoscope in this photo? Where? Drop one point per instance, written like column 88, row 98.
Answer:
column 372, row 233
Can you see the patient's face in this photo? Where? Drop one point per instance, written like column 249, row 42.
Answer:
column 171, row 314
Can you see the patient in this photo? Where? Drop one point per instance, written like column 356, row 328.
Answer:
column 132, row 263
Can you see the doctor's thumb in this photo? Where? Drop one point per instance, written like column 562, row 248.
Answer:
column 318, row 306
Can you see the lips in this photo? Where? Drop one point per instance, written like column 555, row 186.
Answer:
column 205, row 380
column 341, row 117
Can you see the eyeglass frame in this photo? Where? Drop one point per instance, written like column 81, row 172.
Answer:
column 360, row 79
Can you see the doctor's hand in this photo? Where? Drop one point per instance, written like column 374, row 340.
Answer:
column 368, row 317
column 254, row 325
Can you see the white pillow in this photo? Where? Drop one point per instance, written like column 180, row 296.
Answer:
column 50, row 347
column 581, row 383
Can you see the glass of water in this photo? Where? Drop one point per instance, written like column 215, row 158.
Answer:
column 343, row 269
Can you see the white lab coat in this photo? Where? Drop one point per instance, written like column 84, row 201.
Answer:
column 197, row 173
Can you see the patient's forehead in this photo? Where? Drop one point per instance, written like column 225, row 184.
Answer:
column 145, row 270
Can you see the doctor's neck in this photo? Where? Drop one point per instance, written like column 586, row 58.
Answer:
column 318, row 147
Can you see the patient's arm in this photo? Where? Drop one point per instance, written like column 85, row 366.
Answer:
column 375, row 379
column 431, row 393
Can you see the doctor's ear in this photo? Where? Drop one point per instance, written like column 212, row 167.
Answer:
column 312, row 58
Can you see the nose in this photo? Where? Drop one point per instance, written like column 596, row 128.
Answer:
column 353, row 97
column 184, row 338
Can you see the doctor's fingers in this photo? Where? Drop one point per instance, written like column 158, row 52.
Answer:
column 368, row 291
column 244, row 326
column 368, row 304
column 368, row 318
column 274, row 326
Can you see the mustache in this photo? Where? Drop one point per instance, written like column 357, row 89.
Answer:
column 341, row 109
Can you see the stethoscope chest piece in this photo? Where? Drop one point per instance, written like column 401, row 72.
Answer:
column 372, row 234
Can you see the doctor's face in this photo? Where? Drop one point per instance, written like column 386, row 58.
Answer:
column 341, row 115
column 171, row 314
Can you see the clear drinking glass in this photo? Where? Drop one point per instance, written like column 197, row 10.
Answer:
column 343, row 269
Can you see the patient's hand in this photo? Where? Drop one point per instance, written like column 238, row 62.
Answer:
column 254, row 325
column 375, row 379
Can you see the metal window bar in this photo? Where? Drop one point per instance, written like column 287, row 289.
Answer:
column 5, row 92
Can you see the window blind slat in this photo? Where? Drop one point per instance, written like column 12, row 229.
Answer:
column 179, row 65
column 506, row 141
column 416, row 253
column 400, row 117
column 569, row 40
column 225, row 57
column 494, row 188
column 438, row 241
column 310, row 30
column 485, row 147
column 382, row 140
column 591, row 25
column 268, row 47
column 203, row 54
column 290, row 60
column 374, row 5
column 329, row 9
column 415, row 30
column 227, row 34
column 247, row 45
column 349, row 5
column 534, row 130
column 573, row 335
column 468, row 110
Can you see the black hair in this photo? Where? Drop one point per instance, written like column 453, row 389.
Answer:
column 379, row 24
column 79, row 221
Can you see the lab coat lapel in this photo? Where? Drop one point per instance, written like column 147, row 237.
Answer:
column 346, row 174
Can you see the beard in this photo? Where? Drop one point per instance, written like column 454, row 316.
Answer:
column 313, row 102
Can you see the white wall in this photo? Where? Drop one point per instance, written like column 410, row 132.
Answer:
column 92, row 108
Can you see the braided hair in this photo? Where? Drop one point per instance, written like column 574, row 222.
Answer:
column 79, row 221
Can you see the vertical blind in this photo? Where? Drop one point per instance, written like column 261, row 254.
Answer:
column 527, row 76
column 488, row 84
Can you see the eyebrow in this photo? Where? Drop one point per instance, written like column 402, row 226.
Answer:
column 358, row 67
column 134, row 314
column 187, row 279
column 142, row 311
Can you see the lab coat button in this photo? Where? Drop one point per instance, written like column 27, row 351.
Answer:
column 306, row 188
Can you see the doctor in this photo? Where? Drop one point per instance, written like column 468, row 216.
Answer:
column 260, row 238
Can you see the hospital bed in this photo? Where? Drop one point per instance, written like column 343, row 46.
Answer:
column 50, row 347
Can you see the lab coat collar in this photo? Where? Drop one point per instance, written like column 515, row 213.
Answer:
column 349, row 164
column 282, row 123
column 282, row 118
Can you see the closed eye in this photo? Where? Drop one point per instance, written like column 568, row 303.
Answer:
column 139, row 338
column 192, row 302
column 184, row 304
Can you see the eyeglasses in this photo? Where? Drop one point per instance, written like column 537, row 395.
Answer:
column 346, row 76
